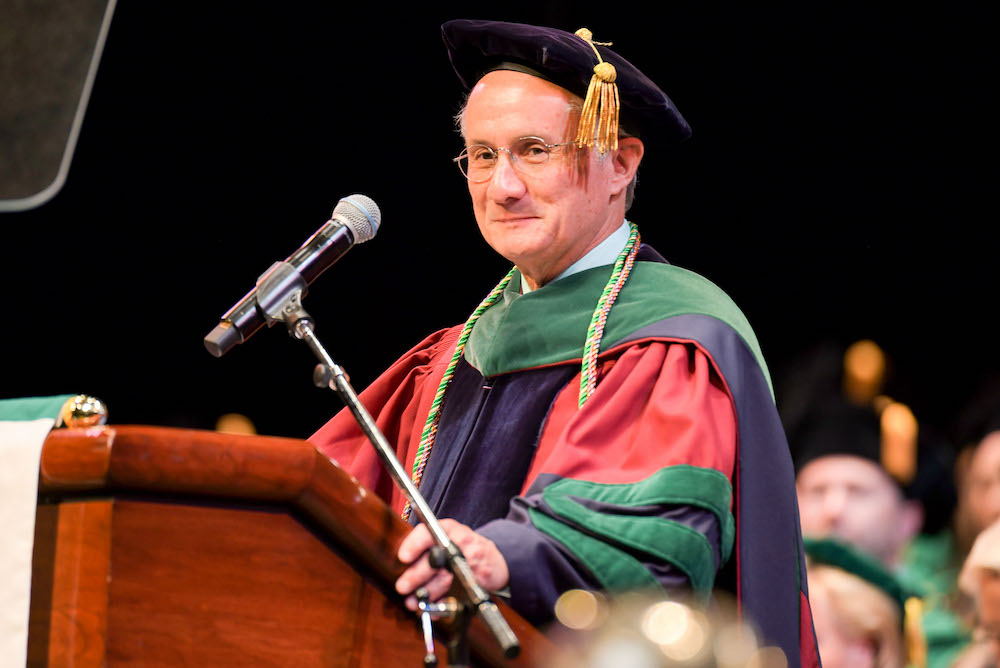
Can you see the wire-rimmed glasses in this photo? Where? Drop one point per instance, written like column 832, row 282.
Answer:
column 527, row 154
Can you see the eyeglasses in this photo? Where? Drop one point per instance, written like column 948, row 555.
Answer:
column 527, row 154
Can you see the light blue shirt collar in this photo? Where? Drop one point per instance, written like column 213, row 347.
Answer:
column 603, row 253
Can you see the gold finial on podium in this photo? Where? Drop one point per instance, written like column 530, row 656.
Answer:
column 82, row 411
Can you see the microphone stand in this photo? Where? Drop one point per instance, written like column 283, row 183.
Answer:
column 279, row 294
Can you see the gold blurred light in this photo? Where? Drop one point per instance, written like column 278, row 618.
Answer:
column 899, row 442
column 881, row 402
column 665, row 623
column 235, row 423
column 692, row 642
column 864, row 371
column 579, row 610
column 913, row 632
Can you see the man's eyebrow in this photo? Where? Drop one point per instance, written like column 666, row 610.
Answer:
column 483, row 142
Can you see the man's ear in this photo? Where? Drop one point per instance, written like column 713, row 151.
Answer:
column 627, row 159
column 908, row 523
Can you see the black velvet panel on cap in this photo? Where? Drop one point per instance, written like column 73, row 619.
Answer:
column 838, row 427
column 477, row 47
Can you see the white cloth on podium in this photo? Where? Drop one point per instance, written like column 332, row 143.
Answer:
column 20, row 454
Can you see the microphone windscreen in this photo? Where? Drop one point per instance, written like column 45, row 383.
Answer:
column 361, row 214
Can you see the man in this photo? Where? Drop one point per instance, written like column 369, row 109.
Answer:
column 977, row 476
column 869, row 479
column 843, row 489
column 980, row 579
column 858, row 607
column 601, row 405
column 978, row 468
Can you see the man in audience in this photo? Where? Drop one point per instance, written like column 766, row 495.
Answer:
column 980, row 579
column 867, row 478
column 857, row 608
column 978, row 469
column 843, row 489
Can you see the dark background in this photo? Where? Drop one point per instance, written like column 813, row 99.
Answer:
column 839, row 185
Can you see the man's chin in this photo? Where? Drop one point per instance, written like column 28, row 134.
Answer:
column 521, row 251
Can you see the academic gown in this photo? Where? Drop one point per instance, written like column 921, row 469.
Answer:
column 674, row 475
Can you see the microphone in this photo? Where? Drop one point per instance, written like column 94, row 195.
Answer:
column 355, row 220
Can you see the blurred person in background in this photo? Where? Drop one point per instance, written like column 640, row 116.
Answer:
column 977, row 468
column 857, row 608
column 974, row 540
column 843, row 489
column 980, row 580
column 934, row 559
column 868, row 475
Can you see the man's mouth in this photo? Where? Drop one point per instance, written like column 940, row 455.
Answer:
column 515, row 219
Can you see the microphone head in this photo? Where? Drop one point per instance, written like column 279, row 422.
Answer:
column 361, row 214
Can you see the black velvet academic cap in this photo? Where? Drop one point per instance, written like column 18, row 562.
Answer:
column 478, row 47
column 838, row 427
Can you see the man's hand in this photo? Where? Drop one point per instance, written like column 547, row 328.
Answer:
column 485, row 560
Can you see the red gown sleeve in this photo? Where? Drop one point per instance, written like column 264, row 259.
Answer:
column 657, row 404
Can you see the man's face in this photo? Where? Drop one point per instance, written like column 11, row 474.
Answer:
column 838, row 647
column 853, row 499
column 544, row 222
column 981, row 487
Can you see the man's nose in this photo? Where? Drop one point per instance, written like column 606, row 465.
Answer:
column 834, row 502
column 506, row 182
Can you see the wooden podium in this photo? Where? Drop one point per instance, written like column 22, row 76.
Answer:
column 158, row 546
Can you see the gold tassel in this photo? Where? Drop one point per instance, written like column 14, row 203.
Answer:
column 599, row 120
column 899, row 431
column 913, row 633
